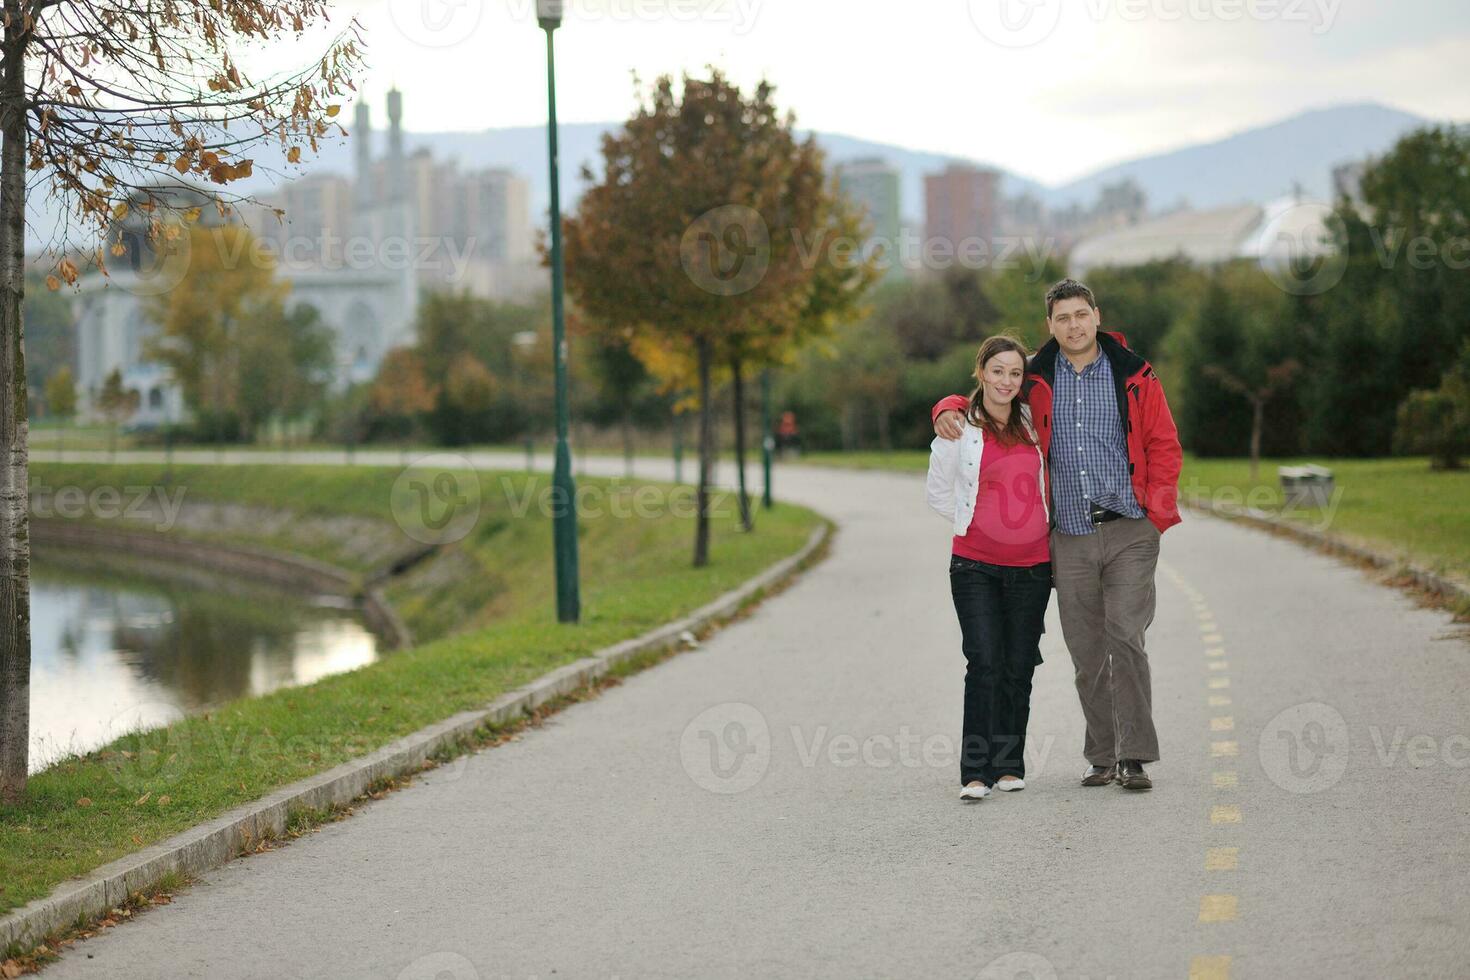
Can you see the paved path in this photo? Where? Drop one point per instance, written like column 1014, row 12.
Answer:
column 1311, row 817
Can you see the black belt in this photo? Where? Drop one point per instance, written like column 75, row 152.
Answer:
column 1101, row 515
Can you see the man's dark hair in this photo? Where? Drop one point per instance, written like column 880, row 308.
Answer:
column 1068, row 289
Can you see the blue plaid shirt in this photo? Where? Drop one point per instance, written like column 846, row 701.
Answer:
column 1089, row 457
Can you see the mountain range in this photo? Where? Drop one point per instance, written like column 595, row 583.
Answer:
column 1255, row 165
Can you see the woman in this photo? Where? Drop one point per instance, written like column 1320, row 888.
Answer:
column 991, row 483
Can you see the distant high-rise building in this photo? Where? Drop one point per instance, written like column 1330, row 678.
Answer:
column 360, row 250
column 873, row 184
column 961, row 202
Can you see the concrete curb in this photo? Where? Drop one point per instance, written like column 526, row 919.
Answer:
column 220, row 840
column 1422, row 577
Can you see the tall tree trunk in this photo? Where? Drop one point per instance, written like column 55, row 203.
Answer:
column 706, row 457
column 885, row 437
column 15, row 548
column 745, row 521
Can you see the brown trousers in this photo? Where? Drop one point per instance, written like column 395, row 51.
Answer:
column 1105, row 598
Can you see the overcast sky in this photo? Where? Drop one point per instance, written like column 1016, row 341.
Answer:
column 1050, row 89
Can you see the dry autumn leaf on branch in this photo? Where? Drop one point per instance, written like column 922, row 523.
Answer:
column 133, row 97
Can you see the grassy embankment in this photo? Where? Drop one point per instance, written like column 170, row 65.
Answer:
column 482, row 608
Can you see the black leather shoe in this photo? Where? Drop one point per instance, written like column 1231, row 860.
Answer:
column 1099, row 775
column 1132, row 776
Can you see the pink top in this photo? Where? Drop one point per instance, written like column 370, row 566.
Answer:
column 1010, row 523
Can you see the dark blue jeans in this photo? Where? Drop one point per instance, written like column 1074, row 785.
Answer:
column 1002, row 611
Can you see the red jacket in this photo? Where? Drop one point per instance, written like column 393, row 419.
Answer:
column 1154, row 454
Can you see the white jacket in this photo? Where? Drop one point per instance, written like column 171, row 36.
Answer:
column 954, row 473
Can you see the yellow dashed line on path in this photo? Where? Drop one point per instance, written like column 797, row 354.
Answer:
column 1213, row 638
column 1215, row 652
column 1225, row 723
column 1219, row 700
column 1209, row 968
column 1222, row 859
column 1219, row 683
column 1220, row 750
column 1218, row 665
column 1217, row 908
column 1225, row 813
column 1226, row 780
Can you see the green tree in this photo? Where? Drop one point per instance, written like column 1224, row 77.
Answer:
column 703, row 234
column 116, row 403
column 225, row 335
column 61, row 394
column 1437, row 423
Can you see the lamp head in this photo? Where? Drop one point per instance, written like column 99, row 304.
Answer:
column 548, row 13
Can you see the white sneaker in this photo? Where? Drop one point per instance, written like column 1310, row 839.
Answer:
column 1009, row 784
column 975, row 791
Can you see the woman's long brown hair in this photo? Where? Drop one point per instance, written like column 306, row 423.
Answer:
column 1011, row 431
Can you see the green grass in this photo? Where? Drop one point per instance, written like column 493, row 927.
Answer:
column 1396, row 504
column 636, row 574
column 902, row 460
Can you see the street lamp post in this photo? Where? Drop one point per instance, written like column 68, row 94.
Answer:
column 768, row 440
column 564, row 515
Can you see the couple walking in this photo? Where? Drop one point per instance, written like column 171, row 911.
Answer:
column 1062, row 469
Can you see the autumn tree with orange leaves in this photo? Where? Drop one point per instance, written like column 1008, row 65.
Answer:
column 102, row 102
column 708, row 242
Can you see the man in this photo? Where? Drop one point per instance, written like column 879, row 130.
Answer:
column 1114, row 459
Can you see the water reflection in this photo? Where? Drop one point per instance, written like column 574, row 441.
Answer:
column 121, row 642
